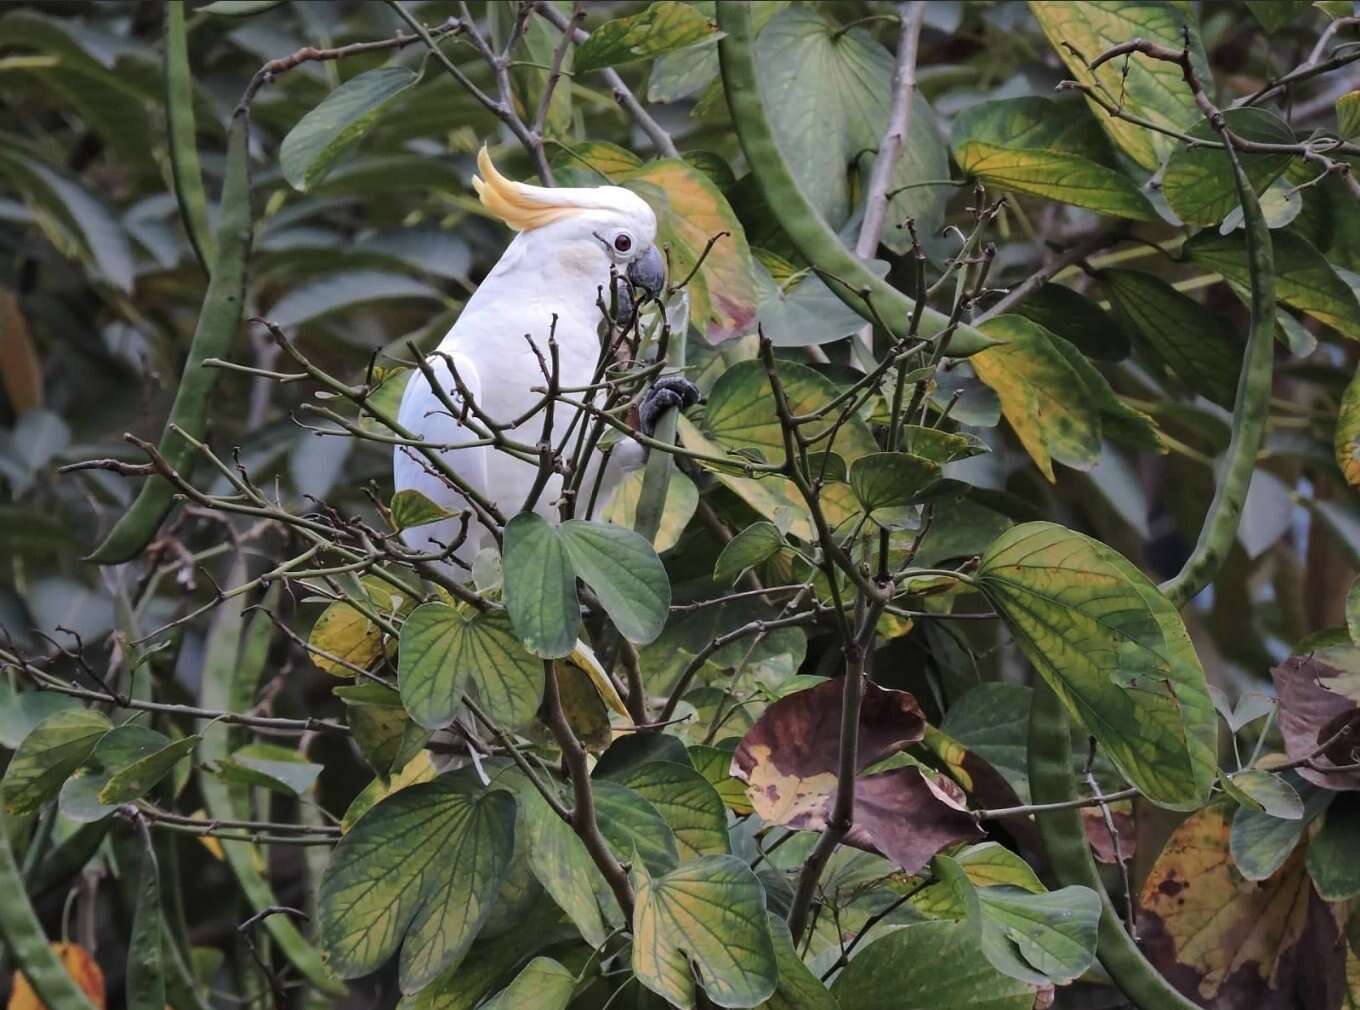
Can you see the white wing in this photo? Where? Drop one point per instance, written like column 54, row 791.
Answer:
column 422, row 413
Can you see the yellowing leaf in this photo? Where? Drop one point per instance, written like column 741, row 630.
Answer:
column 1348, row 115
column 1038, row 146
column 1152, row 90
column 1347, row 439
column 419, row 769
column 20, row 370
column 662, row 27
column 1041, row 395
column 79, row 964
column 682, row 498
column 344, row 637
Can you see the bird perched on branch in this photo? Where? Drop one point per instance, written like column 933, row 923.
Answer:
column 571, row 242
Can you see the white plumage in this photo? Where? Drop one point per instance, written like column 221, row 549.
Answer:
column 568, row 240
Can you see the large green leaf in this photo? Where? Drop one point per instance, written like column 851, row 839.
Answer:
column 798, row 988
column 350, row 289
column 119, row 747
column 1077, row 319
column 798, row 309
column 705, row 919
column 1196, row 343
column 1053, row 934
column 741, row 412
column 1260, row 843
column 1045, row 148
column 1303, row 277
column 1042, row 396
column 662, row 27
column 940, row 965
column 757, row 543
column 542, row 984
column 631, row 824
column 342, row 119
column 443, row 647
column 540, row 586
column 888, row 481
column 418, row 872
column 57, row 747
column 827, row 95
column 1115, row 651
column 1149, row 89
column 625, row 573
column 687, row 801
column 1198, row 181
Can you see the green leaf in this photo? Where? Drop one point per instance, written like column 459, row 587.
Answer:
column 444, row 647
column 799, row 310
column 992, row 720
column 756, row 544
column 1346, row 441
column 1077, row 319
column 827, row 95
column 341, row 292
column 704, row 922
column 662, row 27
column 1041, row 395
column 542, row 984
column 1353, row 612
column 741, row 412
column 798, row 988
column 689, row 804
column 341, row 120
column 271, row 767
column 624, row 572
column 1118, row 420
column 631, row 824
column 1198, row 181
column 383, row 731
column 1348, row 115
column 1260, row 843
column 1045, row 148
column 1261, row 790
column 1197, row 344
column 540, row 586
column 1114, row 650
column 418, row 872
column 1150, row 89
column 119, row 747
column 411, row 508
column 1054, row 934
column 716, row 766
column 941, row 446
column 1275, row 14
column 891, row 480
column 939, row 964
column 1303, row 277
column 136, row 779
column 57, row 747
column 682, row 499
column 1331, row 852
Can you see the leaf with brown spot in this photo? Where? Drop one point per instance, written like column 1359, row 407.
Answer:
column 788, row 761
column 1230, row 943
column 1311, row 714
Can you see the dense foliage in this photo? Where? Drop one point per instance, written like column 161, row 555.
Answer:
column 987, row 637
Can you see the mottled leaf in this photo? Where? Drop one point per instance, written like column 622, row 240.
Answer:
column 1347, row 438
column 344, row 636
column 121, row 746
column 705, row 924
column 57, row 747
column 631, row 824
column 1311, row 716
column 386, row 736
column 1116, row 652
column 688, row 803
column 542, row 984
column 1260, row 842
column 662, row 27
column 271, row 767
column 1265, row 792
column 1198, row 181
column 136, row 779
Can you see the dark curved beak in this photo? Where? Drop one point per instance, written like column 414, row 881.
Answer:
column 648, row 272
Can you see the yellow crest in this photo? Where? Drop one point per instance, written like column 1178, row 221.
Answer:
column 518, row 204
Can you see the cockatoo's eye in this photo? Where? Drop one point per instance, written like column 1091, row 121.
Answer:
column 623, row 243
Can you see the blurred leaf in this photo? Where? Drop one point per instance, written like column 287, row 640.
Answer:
column 1347, row 438
column 239, row 8
column 682, row 498
column 418, row 871
column 799, row 311
column 134, row 780
column 664, row 26
column 272, row 767
column 57, row 747
column 827, row 95
column 704, row 924
column 1041, row 396
column 939, row 964
column 1348, row 115
column 1197, row 344
column 1077, row 319
column 119, row 747
column 386, row 736
column 1275, row 14
column 79, row 964
column 992, row 720
column 342, row 292
column 444, row 647
column 21, row 373
column 411, row 508
column 1115, row 651
column 1045, row 148
column 690, row 212
column 1303, row 277
column 1331, row 852
column 341, row 120
column 1148, row 89
column 542, row 984
column 1353, row 612
column 756, row 544
column 146, row 944
column 1260, row 842
column 1198, row 181
column 1265, row 792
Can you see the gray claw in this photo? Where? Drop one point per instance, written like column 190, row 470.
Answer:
column 667, row 392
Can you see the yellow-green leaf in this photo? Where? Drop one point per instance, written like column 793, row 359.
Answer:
column 344, row 634
column 1198, row 182
column 682, row 498
column 1045, row 148
column 411, row 508
column 1347, row 438
column 1348, row 115
column 1153, row 89
column 1041, row 395
column 663, row 26
column 57, row 746
column 1115, row 651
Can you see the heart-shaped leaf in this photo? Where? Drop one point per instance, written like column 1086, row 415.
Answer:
column 757, row 543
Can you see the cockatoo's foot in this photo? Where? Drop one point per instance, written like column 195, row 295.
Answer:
column 667, row 392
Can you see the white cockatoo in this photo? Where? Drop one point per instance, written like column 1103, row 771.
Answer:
column 568, row 241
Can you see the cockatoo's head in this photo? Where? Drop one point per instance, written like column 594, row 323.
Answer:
column 585, row 230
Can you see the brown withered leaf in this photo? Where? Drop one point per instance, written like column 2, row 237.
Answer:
column 788, row 761
column 1230, row 943
column 986, row 786
column 1098, row 832
column 1311, row 715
